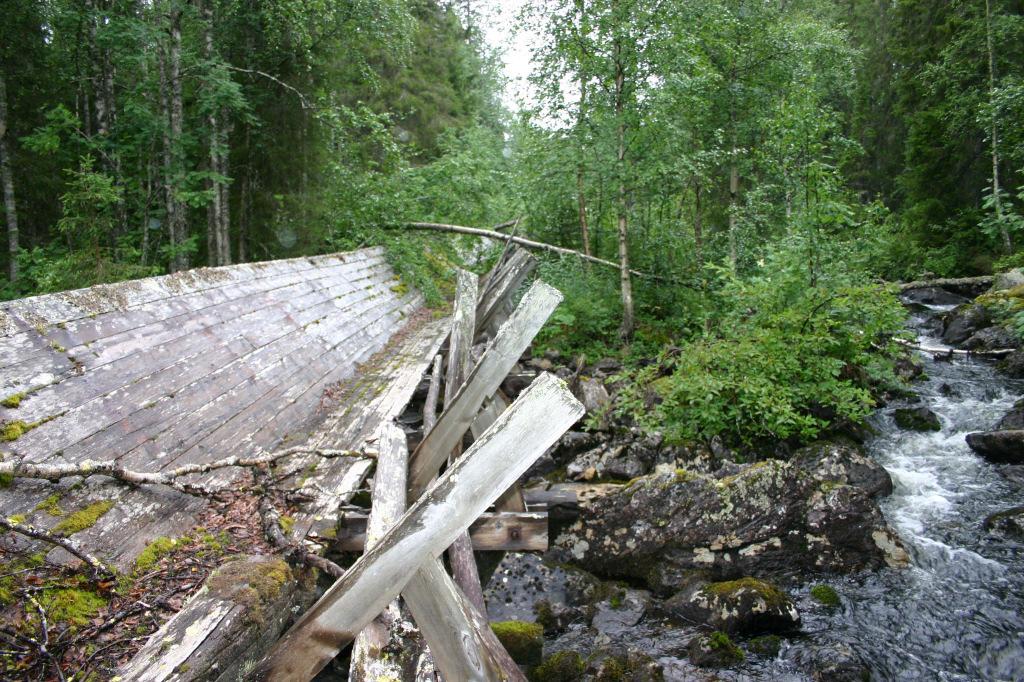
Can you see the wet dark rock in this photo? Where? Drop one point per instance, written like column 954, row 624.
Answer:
column 556, row 617
column 571, row 444
column 605, row 368
column 594, row 396
column 773, row 518
column 765, row 645
column 992, row 338
column 964, row 321
column 1008, row 522
column 524, row 641
column 620, row 612
column 1013, row 364
column 1012, row 420
column 746, row 606
column 715, row 650
column 844, row 464
column 949, row 391
column 932, row 296
column 1002, row 447
column 835, row 663
column 620, row 459
column 907, row 367
column 917, row 419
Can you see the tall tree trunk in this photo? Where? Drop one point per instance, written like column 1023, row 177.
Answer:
column 581, row 199
column 698, row 224
column 177, row 218
column 218, row 222
column 626, row 284
column 997, row 200
column 10, row 208
column 734, row 190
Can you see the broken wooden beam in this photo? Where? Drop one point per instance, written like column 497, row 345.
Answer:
column 368, row 662
column 495, row 303
column 532, row 423
column 513, row 338
column 460, row 345
column 492, row 531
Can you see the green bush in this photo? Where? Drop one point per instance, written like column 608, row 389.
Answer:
column 792, row 350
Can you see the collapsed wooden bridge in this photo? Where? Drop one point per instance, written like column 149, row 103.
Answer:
column 293, row 372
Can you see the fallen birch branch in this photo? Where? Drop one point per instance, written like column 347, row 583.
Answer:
column 530, row 244
column 68, row 545
column 997, row 353
column 56, row 472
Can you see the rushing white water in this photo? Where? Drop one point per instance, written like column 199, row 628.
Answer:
column 958, row 612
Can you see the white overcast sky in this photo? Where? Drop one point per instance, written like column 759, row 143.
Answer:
column 503, row 33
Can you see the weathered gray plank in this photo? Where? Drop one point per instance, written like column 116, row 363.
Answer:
column 495, row 301
column 534, row 422
column 512, row 339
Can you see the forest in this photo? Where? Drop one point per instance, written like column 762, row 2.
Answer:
column 792, row 152
column 751, row 208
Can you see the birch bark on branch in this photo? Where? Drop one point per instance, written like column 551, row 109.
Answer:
column 530, row 244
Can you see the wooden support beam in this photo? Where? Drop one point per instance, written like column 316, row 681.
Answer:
column 469, row 650
column 493, row 531
column 541, row 414
column 460, row 345
column 495, row 303
column 388, row 499
column 512, row 499
column 513, row 338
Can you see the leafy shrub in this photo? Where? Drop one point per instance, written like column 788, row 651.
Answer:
column 791, row 351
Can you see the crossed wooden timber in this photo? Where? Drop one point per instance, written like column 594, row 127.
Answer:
column 404, row 558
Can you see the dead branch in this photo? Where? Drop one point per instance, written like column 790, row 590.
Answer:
column 56, row 472
column 272, row 529
column 98, row 567
column 530, row 244
column 254, row 72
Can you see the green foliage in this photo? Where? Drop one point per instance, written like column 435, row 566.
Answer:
column 824, row 594
column 789, row 353
column 71, row 606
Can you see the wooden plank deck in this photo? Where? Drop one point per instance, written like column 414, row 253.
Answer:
column 194, row 367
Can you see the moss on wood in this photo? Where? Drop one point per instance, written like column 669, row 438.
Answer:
column 83, row 518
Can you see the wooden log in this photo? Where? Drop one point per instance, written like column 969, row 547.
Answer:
column 513, row 338
column 460, row 345
column 469, row 650
column 949, row 352
column 493, row 531
column 955, row 284
column 532, row 424
column 495, row 303
column 530, row 244
column 388, row 500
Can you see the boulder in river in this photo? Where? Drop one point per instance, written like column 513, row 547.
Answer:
column 771, row 518
column 932, row 296
column 996, row 337
column 1008, row 280
column 1013, row 364
column 747, row 605
column 1008, row 522
column 714, row 650
column 1014, row 419
column 1001, row 447
column 916, row 419
column 964, row 321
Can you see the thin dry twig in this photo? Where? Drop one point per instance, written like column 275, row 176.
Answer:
column 98, row 567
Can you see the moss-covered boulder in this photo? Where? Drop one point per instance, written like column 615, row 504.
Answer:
column 772, row 518
column 765, row 645
column 523, row 641
column 562, row 666
column 715, row 650
column 825, row 594
column 629, row 667
column 747, row 605
column 917, row 419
